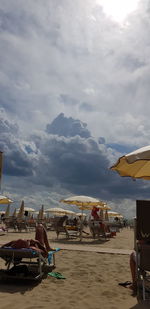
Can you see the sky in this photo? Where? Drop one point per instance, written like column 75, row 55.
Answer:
column 74, row 84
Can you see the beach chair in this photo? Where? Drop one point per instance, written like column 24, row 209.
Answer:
column 22, row 225
column 142, row 247
column 98, row 230
column 27, row 263
column 60, row 226
column 143, row 272
column 11, row 224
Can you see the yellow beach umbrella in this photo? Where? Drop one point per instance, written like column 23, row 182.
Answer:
column 5, row 200
column 136, row 164
column 82, row 201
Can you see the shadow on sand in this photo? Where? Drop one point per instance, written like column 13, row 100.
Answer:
column 15, row 286
column 142, row 305
column 77, row 241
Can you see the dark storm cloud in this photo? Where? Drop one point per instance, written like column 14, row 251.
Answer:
column 67, row 127
column 17, row 161
column 49, row 162
column 77, row 164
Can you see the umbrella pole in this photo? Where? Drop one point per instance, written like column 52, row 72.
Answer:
column 81, row 228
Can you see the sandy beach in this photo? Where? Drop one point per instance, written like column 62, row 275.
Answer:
column 92, row 276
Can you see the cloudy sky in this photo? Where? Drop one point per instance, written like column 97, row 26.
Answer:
column 74, row 84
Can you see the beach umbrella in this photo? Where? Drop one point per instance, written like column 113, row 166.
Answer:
column 106, row 207
column 56, row 211
column 26, row 209
column 136, row 164
column 101, row 214
column 5, row 200
column 113, row 214
column 37, row 212
column 41, row 213
column 69, row 212
column 21, row 211
column 14, row 213
column 83, row 202
column 79, row 214
column 7, row 212
column 106, row 216
column 29, row 209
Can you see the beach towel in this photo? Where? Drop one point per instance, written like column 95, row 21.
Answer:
column 50, row 254
column 56, row 275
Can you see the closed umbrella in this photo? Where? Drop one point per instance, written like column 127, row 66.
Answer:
column 7, row 212
column 41, row 213
column 106, row 216
column 21, row 211
column 14, row 213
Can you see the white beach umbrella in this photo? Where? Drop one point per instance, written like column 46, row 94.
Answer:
column 113, row 214
column 82, row 201
column 69, row 212
column 79, row 214
column 29, row 209
column 56, row 211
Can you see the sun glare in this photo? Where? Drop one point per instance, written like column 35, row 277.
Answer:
column 118, row 9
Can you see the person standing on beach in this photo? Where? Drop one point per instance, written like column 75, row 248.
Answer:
column 94, row 213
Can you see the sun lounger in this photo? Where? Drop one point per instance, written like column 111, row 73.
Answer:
column 27, row 264
column 98, row 230
column 143, row 271
column 142, row 246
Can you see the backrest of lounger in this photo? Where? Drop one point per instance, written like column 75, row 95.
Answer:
column 143, row 220
column 144, row 258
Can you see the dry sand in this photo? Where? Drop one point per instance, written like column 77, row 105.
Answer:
column 91, row 277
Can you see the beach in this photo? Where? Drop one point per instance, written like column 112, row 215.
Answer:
column 92, row 269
